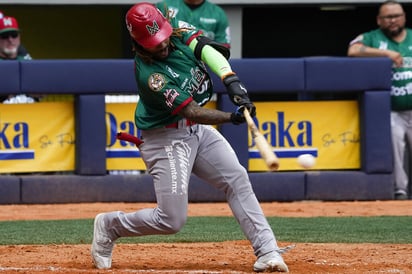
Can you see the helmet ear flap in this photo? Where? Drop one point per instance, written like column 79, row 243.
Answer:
column 147, row 25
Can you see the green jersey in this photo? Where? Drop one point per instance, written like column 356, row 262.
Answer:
column 208, row 17
column 401, row 91
column 166, row 86
column 18, row 58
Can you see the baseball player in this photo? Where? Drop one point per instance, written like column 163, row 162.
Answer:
column 394, row 41
column 178, row 138
column 204, row 15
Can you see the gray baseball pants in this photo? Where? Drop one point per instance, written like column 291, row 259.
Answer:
column 171, row 155
column 401, row 125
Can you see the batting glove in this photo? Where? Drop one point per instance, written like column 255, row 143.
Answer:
column 238, row 93
column 238, row 117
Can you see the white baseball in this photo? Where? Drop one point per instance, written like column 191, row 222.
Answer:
column 306, row 160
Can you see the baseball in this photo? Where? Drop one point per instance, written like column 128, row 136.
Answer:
column 306, row 160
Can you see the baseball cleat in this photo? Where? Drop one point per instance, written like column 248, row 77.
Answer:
column 270, row 262
column 102, row 245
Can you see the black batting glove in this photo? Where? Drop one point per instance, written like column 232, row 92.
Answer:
column 238, row 117
column 238, row 93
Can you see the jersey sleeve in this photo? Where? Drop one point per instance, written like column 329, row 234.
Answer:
column 364, row 38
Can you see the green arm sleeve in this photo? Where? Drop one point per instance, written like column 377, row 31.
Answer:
column 214, row 59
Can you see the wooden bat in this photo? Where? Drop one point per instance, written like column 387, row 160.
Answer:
column 270, row 158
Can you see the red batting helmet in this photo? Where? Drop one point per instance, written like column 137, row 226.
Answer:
column 147, row 25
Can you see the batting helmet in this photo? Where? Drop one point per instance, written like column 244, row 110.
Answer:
column 147, row 25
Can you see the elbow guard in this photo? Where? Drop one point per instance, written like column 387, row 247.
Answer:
column 203, row 41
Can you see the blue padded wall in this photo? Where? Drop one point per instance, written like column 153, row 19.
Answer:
column 89, row 80
column 42, row 189
column 376, row 142
column 347, row 74
column 10, row 77
column 9, row 189
column 278, row 186
column 90, row 134
column 262, row 75
column 348, row 185
column 77, row 189
column 71, row 76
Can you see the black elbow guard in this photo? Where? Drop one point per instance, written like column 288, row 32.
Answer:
column 203, row 41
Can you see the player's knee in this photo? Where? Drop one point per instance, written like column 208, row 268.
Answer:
column 174, row 224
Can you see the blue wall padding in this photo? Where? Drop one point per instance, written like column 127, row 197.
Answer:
column 376, row 144
column 90, row 80
column 348, row 185
column 70, row 76
column 75, row 189
column 347, row 74
column 262, row 75
column 90, row 127
column 278, row 186
column 42, row 189
column 10, row 76
column 9, row 189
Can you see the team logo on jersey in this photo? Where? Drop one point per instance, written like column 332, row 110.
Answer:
column 383, row 45
column 153, row 29
column 156, row 81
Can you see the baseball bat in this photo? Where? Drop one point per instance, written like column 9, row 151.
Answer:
column 266, row 152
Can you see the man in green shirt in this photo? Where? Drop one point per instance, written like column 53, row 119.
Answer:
column 10, row 40
column 173, row 85
column 394, row 41
column 204, row 15
column 21, row 50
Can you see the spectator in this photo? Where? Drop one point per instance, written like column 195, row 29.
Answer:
column 9, row 50
column 204, row 15
column 170, row 69
column 22, row 50
column 394, row 41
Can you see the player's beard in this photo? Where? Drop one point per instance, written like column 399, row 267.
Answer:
column 162, row 54
column 392, row 33
column 10, row 52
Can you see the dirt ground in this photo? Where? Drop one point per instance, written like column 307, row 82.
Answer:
column 226, row 257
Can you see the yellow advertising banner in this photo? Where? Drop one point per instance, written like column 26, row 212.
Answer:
column 40, row 137
column 329, row 130
column 37, row 137
column 121, row 155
